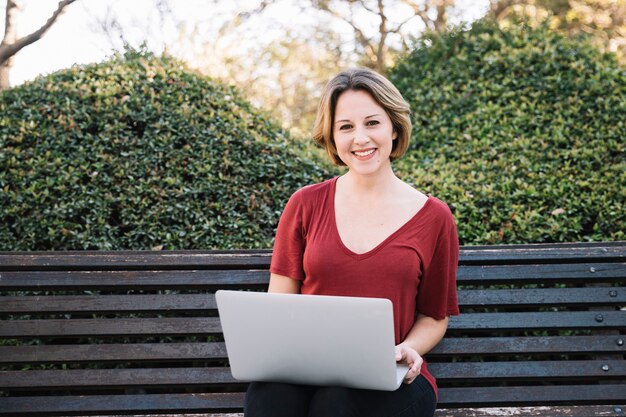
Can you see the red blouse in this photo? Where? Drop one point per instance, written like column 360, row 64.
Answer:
column 415, row 267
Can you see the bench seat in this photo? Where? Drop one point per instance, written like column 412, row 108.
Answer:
column 541, row 332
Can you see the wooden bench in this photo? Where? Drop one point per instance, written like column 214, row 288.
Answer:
column 94, row 333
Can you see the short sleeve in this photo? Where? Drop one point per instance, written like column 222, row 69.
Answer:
column 288, row 253
column 437, row 295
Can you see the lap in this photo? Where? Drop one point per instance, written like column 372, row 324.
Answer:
column 415, row 400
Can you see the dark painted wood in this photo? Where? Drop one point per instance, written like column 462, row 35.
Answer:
column 212, row 279
column 101, row 353
column 130, row 280
column 516, row 396
column 541, row 273
column 122, row 404
column 233, row 402
column 111, row 327
column 572, row 297
column 474, row 372
column 178, row 352
column 137, row 303
column 541, row 253
column 473, row 322
column 529, row 370
column 116, row 378
column 134, row 260
column 472, row 363
column 137, row 260
column 182, row 326
column 530, row 345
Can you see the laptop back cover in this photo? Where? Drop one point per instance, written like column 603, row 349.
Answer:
column 309, row 339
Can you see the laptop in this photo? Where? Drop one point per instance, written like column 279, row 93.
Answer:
column 310, row 339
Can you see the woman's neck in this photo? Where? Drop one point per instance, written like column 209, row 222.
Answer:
column 373, row 186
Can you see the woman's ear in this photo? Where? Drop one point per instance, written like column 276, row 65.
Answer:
column 394, row 136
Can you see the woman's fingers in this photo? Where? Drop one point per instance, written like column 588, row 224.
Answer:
column 412, row 359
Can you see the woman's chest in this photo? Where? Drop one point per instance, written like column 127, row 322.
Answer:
column 361, row 227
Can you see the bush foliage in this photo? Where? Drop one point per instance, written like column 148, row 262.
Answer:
column 520, row 131
column 138, row 152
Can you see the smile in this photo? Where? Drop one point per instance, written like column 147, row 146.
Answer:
column 364, row 153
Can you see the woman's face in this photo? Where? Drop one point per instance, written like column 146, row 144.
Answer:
column 363, row 133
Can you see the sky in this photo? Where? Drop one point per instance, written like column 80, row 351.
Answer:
column 77, row 37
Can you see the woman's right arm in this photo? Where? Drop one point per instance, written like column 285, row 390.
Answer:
column 283, row 284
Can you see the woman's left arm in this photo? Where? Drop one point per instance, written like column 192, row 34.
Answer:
column 423, row 336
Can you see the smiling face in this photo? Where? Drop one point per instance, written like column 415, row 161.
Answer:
column 363, row 133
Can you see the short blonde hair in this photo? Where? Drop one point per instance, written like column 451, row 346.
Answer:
column 381, row 90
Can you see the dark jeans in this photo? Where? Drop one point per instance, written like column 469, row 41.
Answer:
column 265, row 399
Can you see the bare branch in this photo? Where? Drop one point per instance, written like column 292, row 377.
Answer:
column 363, row 40
column 420, row 12
column 7, row 50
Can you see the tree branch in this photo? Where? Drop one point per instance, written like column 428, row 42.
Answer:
column 421, row 13
column 369, row 48
column 7, row 50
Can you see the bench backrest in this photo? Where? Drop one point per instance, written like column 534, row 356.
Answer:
column 87, row 332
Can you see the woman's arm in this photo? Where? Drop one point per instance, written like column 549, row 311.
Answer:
column 283, row 284
column 423, row 336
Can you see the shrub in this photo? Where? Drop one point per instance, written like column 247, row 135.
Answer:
column 137, row 152
column 520, row 131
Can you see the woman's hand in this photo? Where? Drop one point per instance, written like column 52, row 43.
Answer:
column 412, row 359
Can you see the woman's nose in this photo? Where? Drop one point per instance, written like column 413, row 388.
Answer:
column 360, row 136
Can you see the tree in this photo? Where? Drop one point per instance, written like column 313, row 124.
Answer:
column 374, row 45
column 11, row 44
column 603, row 20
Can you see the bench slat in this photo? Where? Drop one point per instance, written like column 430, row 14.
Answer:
column 115, row 378
column 172, row 377
column 135, row 352
column 211, row 325
column 173, row 352
column 538, row 320
column 540, row 273
column 111, row 327
column 233, row 402
column 93, row 260
column 135, row 260
column 108, row 303
column 532, row 395
column 541, row 253
column 192, row 279
column 528, row 345
column 128, row 280
column 99, row 404
column 528, row 370
column 610, row 296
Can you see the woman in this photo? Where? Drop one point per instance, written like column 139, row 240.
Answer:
column 368, row 234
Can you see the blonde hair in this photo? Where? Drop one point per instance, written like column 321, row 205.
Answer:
column 381, row 90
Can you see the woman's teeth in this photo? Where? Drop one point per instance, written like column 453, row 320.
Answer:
column 364, row 153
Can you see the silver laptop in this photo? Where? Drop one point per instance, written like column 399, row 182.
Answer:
column 310, row 339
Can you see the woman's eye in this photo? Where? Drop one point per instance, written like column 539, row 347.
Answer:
column 345, row 127
column 372, row 122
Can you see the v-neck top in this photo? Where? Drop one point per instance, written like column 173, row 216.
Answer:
column 333, row 224
column 414, row 267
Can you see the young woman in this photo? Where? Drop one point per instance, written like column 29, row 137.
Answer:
column 368, row 234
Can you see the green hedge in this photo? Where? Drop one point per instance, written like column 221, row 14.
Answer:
column 138, row 152
column 520, row 131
